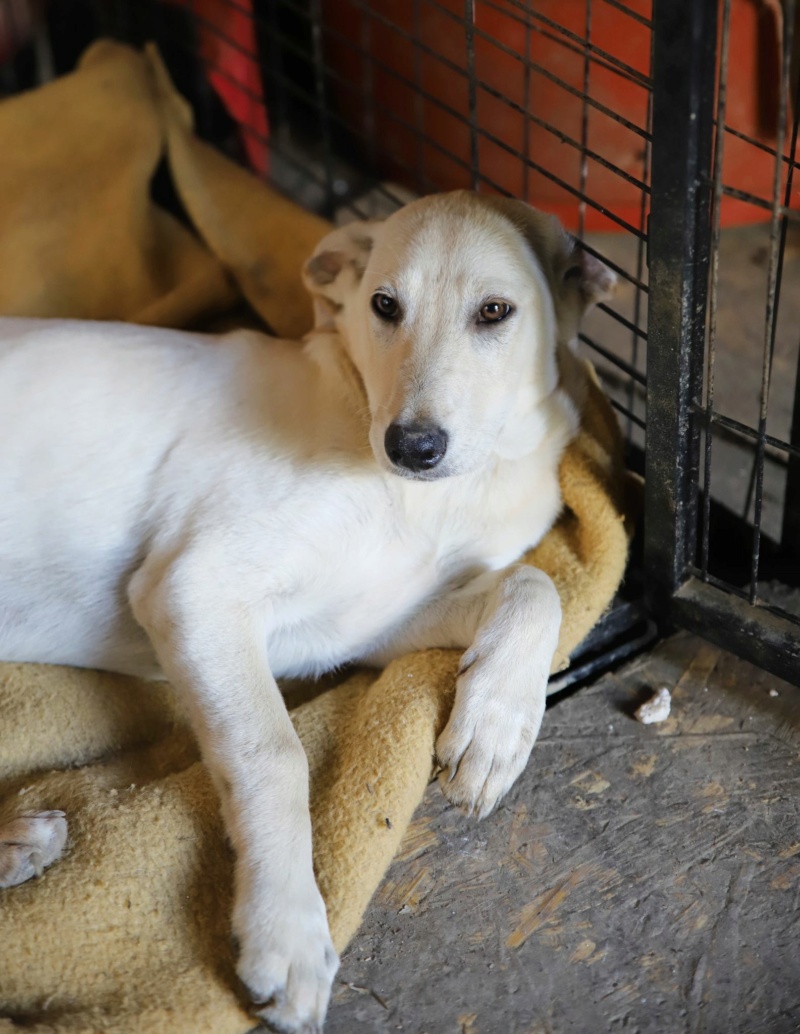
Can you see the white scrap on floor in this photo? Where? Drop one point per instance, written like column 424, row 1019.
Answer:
column 656, row 709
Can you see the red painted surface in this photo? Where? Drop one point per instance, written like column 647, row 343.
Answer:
column 426, row 142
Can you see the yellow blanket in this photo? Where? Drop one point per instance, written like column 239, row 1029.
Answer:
column 129, row 930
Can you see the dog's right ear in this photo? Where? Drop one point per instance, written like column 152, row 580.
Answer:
column 336, row 268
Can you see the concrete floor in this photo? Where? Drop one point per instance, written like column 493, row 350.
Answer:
column 637, row 878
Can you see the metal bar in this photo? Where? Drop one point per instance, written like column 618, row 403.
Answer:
column 684, row 63
column 584, row 145
column 716, row 209
column 628, row 413
column 9, row 80
column 368, row 86
column 637, row 331
column 526, row 125
column 757, row 634
column 790, row 530
column 278, row 109
column 774, row 277
column 591, row 202
column 332, row 117
column 611, row 651
column 748, row 432
column 322, row 101
column 640, row 257
column 769, row 608
column 591, row 101
column 610, row 60
column 472, row 91
column 631, row 14
column 791, row 160
column 792, row 214
column 419, row 106
column 615, row 360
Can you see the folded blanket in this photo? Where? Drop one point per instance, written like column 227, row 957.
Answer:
column 129, row 931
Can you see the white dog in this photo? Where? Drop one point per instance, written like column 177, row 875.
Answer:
column 224, row 511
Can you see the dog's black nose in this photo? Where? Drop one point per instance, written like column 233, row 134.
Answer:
column 415, row 446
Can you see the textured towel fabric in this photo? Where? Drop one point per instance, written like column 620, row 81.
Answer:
column 129, row 930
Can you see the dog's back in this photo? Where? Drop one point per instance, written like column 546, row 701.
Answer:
column 124, row 440
column 89, row 413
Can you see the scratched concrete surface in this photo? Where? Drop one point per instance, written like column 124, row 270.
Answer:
column 639, row 879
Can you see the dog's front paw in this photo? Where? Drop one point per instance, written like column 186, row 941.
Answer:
column 30, row 843
column 287, row 962
column 494, row 723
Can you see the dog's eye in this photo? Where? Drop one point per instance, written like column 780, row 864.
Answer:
column 574, row 273
column 493, row 312
column 385, row 306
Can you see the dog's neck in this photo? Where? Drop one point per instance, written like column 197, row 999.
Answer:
column 326, row 349
column 573, row 380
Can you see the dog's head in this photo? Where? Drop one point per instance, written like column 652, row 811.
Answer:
column 451, row 310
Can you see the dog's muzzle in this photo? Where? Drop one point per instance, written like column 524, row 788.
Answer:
column 415, row 446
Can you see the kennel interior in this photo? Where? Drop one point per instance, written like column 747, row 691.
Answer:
column 663, row 134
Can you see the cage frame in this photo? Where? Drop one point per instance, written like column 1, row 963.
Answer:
column 680, row 249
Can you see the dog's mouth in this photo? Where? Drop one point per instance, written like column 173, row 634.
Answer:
column 437, row 474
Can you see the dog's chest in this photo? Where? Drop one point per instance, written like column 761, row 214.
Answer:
column 360, row 575
column 384, row 552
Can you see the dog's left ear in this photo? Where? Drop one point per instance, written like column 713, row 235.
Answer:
column 336, row 268
column 577, row 279
column 583, row 273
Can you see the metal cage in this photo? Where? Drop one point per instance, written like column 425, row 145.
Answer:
column 622, row 117
column 725, row 579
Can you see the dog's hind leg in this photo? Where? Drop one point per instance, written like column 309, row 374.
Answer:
column 29, row 843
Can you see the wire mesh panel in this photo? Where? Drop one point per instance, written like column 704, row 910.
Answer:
column 760, row 426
